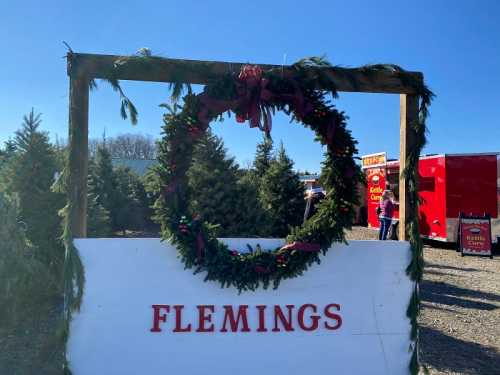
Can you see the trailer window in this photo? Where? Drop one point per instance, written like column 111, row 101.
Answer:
column 392, row 182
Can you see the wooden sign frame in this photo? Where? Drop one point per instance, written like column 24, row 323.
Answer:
column 82, row 68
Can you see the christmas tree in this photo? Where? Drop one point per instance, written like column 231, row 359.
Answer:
column 282, row 195
column 263, row 157
column 131, row 202
column 25, row 283
column 29, row 174
column 217, row 193
column 98, row 218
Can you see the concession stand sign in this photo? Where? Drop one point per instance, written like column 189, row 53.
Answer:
column 374, row 160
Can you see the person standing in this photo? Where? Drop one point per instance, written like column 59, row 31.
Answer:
column 386, row 213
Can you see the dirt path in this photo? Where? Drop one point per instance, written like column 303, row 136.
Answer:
column 460, row 320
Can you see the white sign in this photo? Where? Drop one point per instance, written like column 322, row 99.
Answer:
column 142, row 313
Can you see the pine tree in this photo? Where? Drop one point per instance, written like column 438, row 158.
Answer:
column 263, row 156
column 29, row 174
column 131, row 200
column 120, row 192
column 257, row 221
column 104, row 186
column 25, row 283
column 7, row 153
column 104, row 181
column 216, row 192
column 282, row 195
column 98, row 218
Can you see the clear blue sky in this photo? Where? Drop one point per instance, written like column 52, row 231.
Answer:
column 456, row 45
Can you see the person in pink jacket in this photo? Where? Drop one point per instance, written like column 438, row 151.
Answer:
column 386, row 213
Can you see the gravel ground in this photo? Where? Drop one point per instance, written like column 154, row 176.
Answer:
column 460, row 317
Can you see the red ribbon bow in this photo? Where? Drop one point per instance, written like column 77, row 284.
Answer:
column 254, row 95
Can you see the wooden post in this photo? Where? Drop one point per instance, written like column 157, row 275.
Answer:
column 78, row 148
column 408, row 113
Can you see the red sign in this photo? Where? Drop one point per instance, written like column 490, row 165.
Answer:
column 475, row 235
column 376, row 185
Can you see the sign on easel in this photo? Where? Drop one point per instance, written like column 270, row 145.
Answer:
column 475, row 235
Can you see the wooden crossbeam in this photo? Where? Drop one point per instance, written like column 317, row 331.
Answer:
column 202, row 72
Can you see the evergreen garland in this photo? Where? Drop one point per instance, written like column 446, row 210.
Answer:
column 252, row 94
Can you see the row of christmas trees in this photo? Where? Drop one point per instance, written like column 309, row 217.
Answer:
column 262, row 200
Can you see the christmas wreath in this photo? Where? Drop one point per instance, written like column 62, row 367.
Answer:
column 255, row 95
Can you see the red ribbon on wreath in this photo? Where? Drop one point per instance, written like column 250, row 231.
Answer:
column 200, row 246
column 302, row 246
column 253, row 95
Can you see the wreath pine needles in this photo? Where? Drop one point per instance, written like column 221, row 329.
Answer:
column 253, row 95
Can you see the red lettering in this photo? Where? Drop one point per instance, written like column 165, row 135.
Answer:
column 178, row 320
column 314, row 318
column 234, row 322
column 333, row 316
column 204, row 317
column 286, row 323
column 262, row 318
column 157, row 317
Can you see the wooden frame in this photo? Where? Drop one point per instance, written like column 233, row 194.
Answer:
column 84, row 67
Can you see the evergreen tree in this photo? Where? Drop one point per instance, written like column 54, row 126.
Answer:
column 7, row 153
column 103, row 180
column 98, row 218
column 25, row 283
column 257, row 221
column 131, row 200
column 263, row 156
column 120, row 192
column 217, row 194
column 104, row 187
column 29, row 174
column 282, row 195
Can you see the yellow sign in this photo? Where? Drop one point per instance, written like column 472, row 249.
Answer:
column 373, row 160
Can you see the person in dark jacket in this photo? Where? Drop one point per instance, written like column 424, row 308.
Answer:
column 386, row 213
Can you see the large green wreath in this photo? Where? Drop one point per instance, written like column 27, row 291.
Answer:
column 254, row 95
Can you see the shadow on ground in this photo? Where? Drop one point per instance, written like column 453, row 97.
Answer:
column 462, row 357
column 451, row 295
column 443, row 267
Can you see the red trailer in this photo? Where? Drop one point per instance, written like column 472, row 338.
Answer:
column 449, row 184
